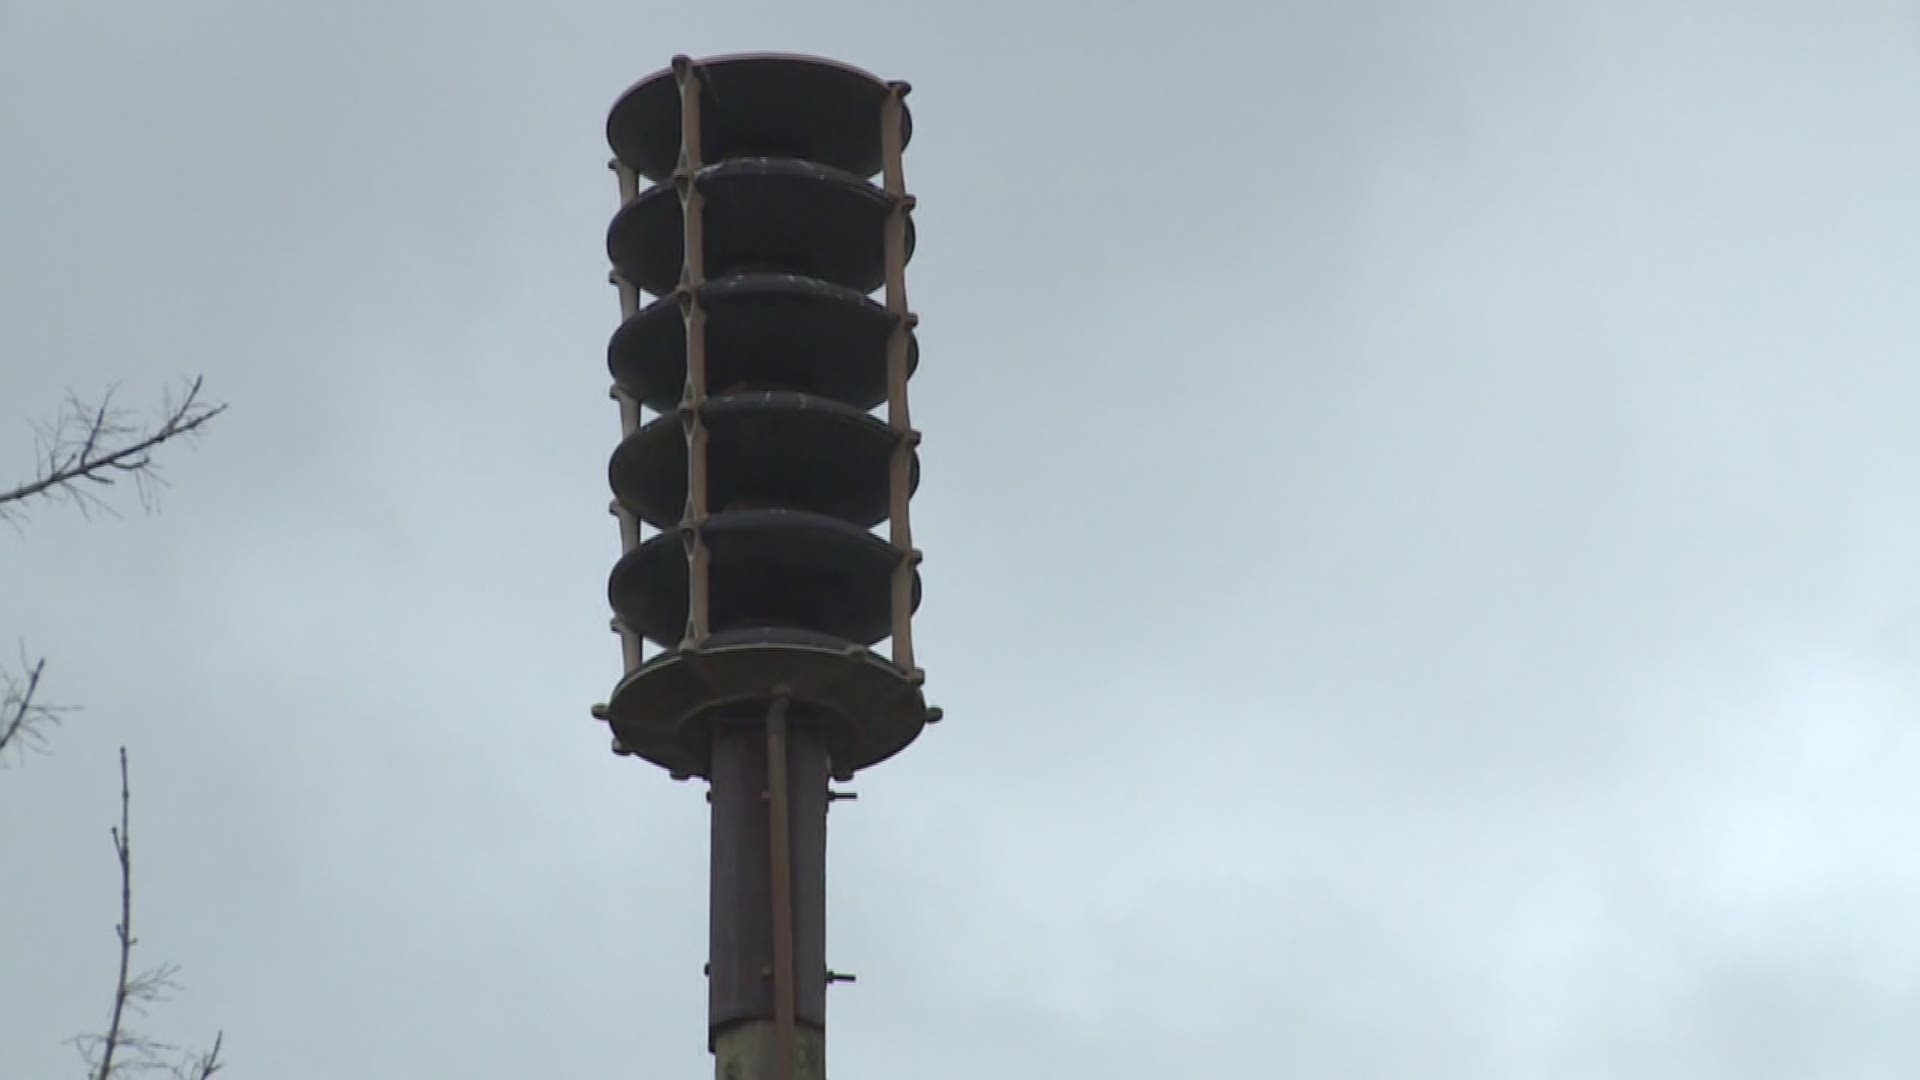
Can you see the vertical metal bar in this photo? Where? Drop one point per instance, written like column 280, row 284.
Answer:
column 630, row 419
column 693, row 399
column 780, row 857
column 899, row 418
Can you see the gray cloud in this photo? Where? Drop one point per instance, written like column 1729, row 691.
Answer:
column 1461, row 622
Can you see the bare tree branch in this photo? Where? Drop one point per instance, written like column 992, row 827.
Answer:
column 202, row 1066
column 125, row 988
column 121, row 1050
column 18, row 716
column 84, row 448
column 97, row 444
column 24, row 718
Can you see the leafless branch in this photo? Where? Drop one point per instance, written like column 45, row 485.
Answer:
column 24, row 717
column 201, row 1066
column 121, row 1050
column 127, row 990
column 88, row 446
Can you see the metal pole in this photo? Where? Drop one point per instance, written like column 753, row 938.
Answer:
column 693, row 275
column 780, row 857
column 899, row 529
column 767, row 944
column 630, row 421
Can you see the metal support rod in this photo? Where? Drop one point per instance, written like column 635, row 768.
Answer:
column 780, row 855
column 630, row 420
column 694, row 398
column 900, row 530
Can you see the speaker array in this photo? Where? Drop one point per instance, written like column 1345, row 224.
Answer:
column 763, row 479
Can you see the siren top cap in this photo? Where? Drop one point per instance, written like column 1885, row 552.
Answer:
column 760, row 105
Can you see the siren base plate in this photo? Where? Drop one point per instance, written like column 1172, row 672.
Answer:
column 866, row 708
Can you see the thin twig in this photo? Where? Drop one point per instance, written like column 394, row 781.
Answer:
column 18, row 716
column 122, row 1051
column 97, row 444
column 202, row 1066
column 123, row 988
column 24, row 717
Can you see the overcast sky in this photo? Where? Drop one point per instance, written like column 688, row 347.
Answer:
column 1419, row 507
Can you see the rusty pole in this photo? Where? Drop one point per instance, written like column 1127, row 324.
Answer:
column 780, row 855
